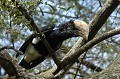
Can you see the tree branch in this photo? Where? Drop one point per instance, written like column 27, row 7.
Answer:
column 7, row 64
column 74, row 56
column 100, row 18
column 100, row 3
column 11, row 67
column 88, row 64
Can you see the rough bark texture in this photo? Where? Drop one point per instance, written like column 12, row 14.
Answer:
column 100, row 18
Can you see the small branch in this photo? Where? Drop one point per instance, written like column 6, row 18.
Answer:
column 100, row 3
column 80, row 62
column 79, row 65
column 10, row 47
column 113, row 40
column 91, row 66
column 36, row 29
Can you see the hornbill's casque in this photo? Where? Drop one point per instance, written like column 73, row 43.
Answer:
column 34, row 50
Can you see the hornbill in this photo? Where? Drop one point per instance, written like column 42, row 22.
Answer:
column 34, row 50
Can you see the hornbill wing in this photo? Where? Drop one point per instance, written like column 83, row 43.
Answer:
column 44, row 29
column 33, row 63
column 25, row 44
column 47, row 28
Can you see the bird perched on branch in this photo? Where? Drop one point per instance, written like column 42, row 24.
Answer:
column 34, row 50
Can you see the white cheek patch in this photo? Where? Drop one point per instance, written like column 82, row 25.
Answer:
column 36, row 40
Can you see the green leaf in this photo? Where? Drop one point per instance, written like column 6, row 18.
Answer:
column 27, row 38
column 69, row 7
column 52, row 7
column 28, row 3
column 66, row 9
column 62, row 8
column 41, row 11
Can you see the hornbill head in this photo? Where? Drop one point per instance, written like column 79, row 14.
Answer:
column 73, row 28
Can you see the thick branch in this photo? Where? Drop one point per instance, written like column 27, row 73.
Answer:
column 101, row 17
column 12, row 68
column 35, row 28
column 7, row 64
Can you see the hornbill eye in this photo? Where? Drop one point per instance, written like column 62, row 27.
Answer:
column 69, row 25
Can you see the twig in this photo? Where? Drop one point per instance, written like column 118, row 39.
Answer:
column 91, row 66
column 113, row 40
column 80, row 63
column 100, row 3
column 36, row 29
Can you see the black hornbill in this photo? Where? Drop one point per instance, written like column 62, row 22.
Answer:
column 34, row 50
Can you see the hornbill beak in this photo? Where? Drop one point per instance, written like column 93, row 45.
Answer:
column 83, row 29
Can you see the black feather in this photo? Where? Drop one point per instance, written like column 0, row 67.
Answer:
column 32, row 64
column 30, row 38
